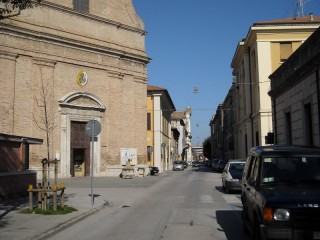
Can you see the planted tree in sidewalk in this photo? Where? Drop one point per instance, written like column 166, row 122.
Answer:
column 12, row 8
column 43, row 115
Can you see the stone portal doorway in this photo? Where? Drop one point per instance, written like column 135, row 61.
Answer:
column 80, row 150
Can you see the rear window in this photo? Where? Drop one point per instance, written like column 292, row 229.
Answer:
column 237, row 167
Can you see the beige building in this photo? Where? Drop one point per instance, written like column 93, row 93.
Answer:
column 266, row 46
column 181, row 125
column 178, row 130
column 77, row 62
column 295, row 94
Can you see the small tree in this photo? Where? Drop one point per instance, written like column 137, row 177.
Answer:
column 12, row 8
column 44, row 113
column 207, row 148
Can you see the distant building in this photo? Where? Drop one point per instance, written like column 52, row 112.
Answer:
column 222, row 128
column 187, row 149
column 197, row 153
column 177, row 126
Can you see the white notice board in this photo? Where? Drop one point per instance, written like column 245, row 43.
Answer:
column 128, row 153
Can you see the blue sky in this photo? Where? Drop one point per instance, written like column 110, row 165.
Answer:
column 192, row 43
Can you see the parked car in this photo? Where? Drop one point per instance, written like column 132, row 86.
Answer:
column 195, row 164
column 218, row 165
column 178, row 166
column 185, row 164
column 232, row 175
column 280, row 192
column 154, row 170
column 214, row 162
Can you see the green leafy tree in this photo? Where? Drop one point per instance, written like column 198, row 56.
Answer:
column 207, row 148
column 12, row 8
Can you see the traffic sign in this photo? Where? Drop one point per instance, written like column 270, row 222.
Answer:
column 93, row 128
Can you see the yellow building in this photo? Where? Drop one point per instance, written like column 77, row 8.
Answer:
column 266, row 46
column 159, row 109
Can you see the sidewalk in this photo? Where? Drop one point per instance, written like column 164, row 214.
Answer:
column 109, row 192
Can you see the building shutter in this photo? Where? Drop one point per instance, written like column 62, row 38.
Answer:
column 81, row 5
column 285, row 51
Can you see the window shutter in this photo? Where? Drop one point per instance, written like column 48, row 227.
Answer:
column 285, row 51
column 81, row 5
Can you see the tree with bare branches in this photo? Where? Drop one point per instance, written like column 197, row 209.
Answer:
column 44, row 112
column 12, row 8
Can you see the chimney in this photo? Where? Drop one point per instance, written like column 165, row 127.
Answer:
column 311, row 17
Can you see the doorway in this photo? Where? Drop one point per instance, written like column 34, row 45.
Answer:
column 79, row 164
column 80, row 150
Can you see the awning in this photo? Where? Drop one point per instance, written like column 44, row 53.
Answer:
column 14, row 138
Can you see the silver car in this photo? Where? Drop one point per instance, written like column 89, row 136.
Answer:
column 232, row 175
column 178, row 166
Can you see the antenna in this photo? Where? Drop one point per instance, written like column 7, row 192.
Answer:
column 300, row 7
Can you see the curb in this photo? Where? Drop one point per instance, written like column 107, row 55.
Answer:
column 70, row 222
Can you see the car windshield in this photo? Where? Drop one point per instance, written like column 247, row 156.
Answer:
column 290, row 170
column 177, row 162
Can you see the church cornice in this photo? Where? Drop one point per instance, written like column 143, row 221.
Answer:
column 93, row 17
column 71, row 43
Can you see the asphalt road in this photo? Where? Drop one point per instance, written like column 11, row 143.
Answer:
column 184, row 205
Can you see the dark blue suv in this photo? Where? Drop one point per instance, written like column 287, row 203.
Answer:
column 281, row 192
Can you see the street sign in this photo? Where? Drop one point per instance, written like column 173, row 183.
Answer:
column 93, row 128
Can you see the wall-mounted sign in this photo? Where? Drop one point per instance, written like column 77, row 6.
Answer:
column 82, row 78
column 128, row 153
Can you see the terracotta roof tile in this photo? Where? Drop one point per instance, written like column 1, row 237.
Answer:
column 302, row 20
column 155, row 88
column 177, row 115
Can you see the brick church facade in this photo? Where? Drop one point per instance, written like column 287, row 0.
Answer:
column 75, row 61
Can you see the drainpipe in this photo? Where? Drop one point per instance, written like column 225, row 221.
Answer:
column 251, row 105
column 274, row 108
column 318, row 96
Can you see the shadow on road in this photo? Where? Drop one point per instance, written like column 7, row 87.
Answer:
column 231, row 224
